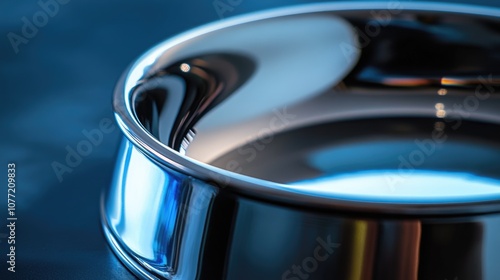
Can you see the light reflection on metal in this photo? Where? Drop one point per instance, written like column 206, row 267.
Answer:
column 440, row 111
column 446, row 81
column 442, row 91
column 406, row 81
column 364, row 240
column 280, row 158
column 439, row 126
column 185, row 67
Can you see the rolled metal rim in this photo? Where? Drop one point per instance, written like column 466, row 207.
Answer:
column 167, row 157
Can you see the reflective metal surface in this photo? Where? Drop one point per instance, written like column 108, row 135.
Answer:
column 318, row 142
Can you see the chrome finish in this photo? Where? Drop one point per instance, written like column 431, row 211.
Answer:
column 317, row 142
column 159, row 216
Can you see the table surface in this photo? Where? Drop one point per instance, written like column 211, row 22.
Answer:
column 57, row 82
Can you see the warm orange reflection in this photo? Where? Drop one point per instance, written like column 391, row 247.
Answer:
column 185, row 67
column 454, row 81
column 442, row 91
column 406, row 82
column 440, row 111
column 409, row 248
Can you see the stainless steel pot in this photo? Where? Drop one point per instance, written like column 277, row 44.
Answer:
column 327, row 141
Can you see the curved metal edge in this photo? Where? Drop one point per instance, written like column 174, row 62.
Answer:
column 126, row 259
column 262, row 189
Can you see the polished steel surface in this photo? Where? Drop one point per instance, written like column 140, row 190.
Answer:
column 346, row 141
column 207, row 95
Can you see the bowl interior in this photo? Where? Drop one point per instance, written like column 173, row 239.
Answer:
column 391, row 104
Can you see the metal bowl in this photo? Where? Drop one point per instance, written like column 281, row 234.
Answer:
column 326, row 141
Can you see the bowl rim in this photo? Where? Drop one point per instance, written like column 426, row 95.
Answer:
column 170, row 159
